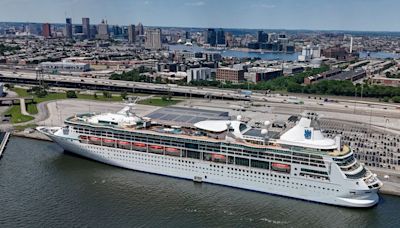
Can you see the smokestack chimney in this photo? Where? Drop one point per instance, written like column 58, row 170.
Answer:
column 351, row 45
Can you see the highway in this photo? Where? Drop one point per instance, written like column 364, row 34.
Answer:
column 342, row 106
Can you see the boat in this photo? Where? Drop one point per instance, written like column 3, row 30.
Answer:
column 124, row 144
column 297, row 161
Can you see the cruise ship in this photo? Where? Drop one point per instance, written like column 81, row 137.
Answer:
column 291, row 159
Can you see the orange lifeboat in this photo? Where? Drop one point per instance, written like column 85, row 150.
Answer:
column 124, row 144
column 155, row 147
column 279, row 167
column 218, row 157
column 142, row 145
column 95, row 140
column 108, row 142
column 172, row 151
column 83, row 137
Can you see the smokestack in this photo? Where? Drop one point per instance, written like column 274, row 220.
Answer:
column 351, row 45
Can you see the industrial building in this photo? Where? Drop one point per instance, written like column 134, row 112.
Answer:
column 56, row 67
column 230, row 75
column 257, row 74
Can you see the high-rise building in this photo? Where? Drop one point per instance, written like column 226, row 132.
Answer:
column 102, row 31
column 262, row 37
column 46, row 30
column 153, row 39
column 211, row 36
column 221, row 37
column 86, row 27
column 139, row 29
column 68, row 28
column 131, row 33
column 78, row 29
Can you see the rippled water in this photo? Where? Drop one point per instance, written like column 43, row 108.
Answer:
column 40, row 186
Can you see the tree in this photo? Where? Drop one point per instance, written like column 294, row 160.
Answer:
column 396, row 99
column 124, row 95
column 95, row 95
column 107, row 94
column 71, row 94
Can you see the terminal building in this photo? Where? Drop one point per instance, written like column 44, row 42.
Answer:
column 70, row 67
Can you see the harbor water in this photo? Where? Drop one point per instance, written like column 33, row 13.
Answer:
column 41, row 186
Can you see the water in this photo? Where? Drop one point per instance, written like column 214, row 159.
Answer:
column 40, row 186
column 277, row 56
column 240, row 54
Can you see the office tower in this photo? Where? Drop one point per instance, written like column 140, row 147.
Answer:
column 262, row 37
column 78, row 29
column 221, row 37
column 139, row 29
column 46, row 30
column 102, row 31
column 187, row 35
column 131, row 33
column 211, row 37
column 68, row 28
column 153, row 39
column 86, row 27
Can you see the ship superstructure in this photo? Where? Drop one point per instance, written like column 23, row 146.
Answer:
column 293, row 159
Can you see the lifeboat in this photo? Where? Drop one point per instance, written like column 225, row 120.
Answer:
column 218, row 157
column 83, row 137
column 95, row 140
column 108, row 142
column 156, row 149
column 139, row 146
column 172, row 151
column 281, row 167
column 124, row 144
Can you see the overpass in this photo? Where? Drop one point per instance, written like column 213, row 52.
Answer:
column 119, row 86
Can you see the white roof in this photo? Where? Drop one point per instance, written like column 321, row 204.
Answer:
column 304, row 135
column 116, row 118
column 219, row 126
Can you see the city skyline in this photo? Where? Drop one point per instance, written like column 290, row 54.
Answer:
column 354, row 15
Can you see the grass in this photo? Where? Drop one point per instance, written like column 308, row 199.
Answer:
column 16, row 116
column 23, row 127
column 31, row 108
column 158, row 101
column 99, row 97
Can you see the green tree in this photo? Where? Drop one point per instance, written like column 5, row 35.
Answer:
column 106, row 94
column 124, row 95
column 396, row 99
column 71, row 94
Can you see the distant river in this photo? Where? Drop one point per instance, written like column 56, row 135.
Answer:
column 40, row 186
column 273, row 55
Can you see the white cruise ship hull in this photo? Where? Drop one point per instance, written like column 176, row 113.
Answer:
column 221, row 174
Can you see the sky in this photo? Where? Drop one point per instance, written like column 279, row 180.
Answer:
column 360, row 15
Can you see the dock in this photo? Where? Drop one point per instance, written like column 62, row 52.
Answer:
column 4, row 136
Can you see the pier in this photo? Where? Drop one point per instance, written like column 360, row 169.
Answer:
column 4, row 136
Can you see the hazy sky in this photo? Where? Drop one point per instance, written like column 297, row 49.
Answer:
column 374, row 15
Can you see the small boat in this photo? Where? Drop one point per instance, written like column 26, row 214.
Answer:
column 95, row 140
column 142, row 145
column 172, row 151
column 139, row 146
column 279, row 167
column 124, row 144
column 155, row 147
column 84, row 137
column 109, row 142
column 218, row 157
